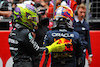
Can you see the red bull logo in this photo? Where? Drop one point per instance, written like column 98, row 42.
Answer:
column 69, row 46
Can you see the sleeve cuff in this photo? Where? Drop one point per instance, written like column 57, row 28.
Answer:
column 90, row 55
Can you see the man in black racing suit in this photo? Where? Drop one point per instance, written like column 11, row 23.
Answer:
column 22, row 42
column 25, row 44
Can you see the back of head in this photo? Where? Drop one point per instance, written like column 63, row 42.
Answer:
column 63, row 17
column 26, row 15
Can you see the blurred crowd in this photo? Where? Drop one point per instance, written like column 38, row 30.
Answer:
column 7, row 7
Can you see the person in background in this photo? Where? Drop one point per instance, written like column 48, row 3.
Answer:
column 82, row 27
column 37, row 1
column 45, row 3
column 5, row 14
column 42, row 25
column 63, row 30
column 23, row 36
column 5, row 8
column 51, row 7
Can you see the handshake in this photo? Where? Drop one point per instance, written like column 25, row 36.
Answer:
column 55, row 47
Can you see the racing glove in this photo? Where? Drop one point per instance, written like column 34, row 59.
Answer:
column 55, row 47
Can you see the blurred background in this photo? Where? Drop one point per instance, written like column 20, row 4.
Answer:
column 92, row 12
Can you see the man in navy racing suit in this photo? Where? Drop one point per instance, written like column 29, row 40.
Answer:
column 63, row 31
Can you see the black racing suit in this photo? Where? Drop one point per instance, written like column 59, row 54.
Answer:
column 23, row 47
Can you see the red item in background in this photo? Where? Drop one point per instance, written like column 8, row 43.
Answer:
column 42, row 60
column 4, row 48
column 50, row 25
column 95, row 45
column 73, row 5
column 49, row 61
column 50, row 11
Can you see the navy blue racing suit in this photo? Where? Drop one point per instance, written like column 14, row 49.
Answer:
column 73, row 48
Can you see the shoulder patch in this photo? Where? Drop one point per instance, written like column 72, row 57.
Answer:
column 30, row 36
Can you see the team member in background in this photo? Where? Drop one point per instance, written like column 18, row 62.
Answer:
column 42, row 25
column 23, row 37
column 42, row 29
column 5, row 13
column 82, row 27
column 5, row 8
column 51, row 7
column 63, row 30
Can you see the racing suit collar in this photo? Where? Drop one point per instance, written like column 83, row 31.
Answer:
column 18, row 26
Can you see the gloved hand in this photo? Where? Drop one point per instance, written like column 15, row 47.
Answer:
column 55, row 47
